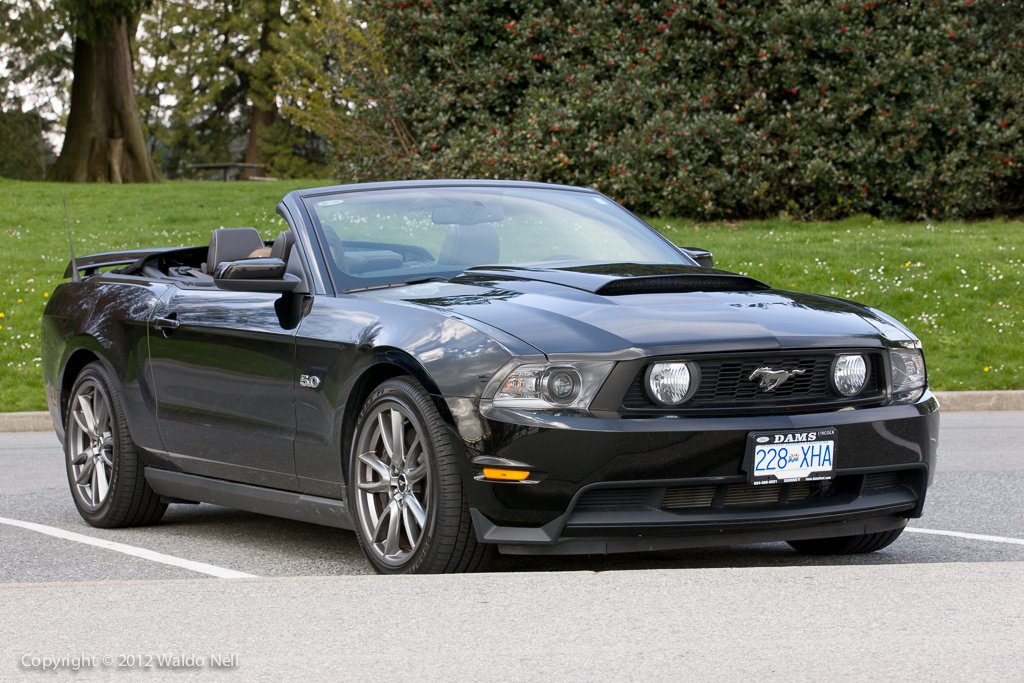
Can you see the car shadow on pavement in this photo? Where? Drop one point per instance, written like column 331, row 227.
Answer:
column 284, row 547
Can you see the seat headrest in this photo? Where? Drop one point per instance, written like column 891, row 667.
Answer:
column 283, row 245
column 470, row 245
column 231, row 244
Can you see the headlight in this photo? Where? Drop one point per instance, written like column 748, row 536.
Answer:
column 908, row 374
column 540, row 386
column 672, row 383
column 849, row 374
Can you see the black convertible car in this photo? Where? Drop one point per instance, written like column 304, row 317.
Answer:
column 449, row 367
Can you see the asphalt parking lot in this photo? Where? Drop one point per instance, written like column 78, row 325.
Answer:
column 946, row 600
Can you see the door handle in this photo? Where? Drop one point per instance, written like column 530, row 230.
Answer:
column 166, row 325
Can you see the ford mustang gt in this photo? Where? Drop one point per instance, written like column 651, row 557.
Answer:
column 455, row 367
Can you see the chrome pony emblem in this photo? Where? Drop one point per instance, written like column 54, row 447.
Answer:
column 772, row 379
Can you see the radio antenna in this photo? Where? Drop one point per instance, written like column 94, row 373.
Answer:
column 75, row 277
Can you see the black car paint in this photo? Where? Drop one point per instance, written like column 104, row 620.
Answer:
column 217, row 395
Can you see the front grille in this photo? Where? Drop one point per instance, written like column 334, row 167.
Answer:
column 688, row 497
column 725, row 385
column 878, row 481
column 766, row 494
column 614, row 498
column 734, row 495
column 731, row 495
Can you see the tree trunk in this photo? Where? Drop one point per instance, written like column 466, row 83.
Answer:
column 104, row 140
column 264, row 105
column 260, row 120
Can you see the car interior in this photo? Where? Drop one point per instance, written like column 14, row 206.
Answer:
column 195, row 266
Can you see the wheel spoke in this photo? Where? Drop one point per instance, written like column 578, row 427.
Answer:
column 415, row 508
column 85, row 474
column 417, row 473
column 385, row 436
column 101, row 413
column 106, row 457
column 392, row 544
column 379, row 529
column 77, row 414
column 374, row 486
column 398, row 439
column 373, row 462
column 87, row 415
column 80, row 458
column 94, row 486
column 102, row 482
column 408, row 520
column 412, row 453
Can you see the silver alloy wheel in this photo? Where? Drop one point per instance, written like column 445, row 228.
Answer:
column 91, row 444
column 393, row 482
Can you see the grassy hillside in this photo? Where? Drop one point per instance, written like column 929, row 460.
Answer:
column 957, row 285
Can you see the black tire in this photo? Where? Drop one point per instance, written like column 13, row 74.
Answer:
column 406, row 497
column 847, row 545
column 98, row 448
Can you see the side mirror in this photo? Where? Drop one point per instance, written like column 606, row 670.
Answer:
column 255, row 275
column 702, row 256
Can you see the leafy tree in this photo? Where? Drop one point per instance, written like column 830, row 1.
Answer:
column 25, row 151
column 337, row 84
column 208, row 91
column 709, row 108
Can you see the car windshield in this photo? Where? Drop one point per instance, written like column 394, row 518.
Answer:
column 403, row 234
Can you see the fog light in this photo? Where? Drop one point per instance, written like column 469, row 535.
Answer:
column 849, row 374
column 672, row 383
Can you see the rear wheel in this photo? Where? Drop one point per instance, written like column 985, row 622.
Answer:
column 405, row 486
column 847, row 545
column 104, row 472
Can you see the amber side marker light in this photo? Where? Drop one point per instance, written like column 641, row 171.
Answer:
column 505, row 475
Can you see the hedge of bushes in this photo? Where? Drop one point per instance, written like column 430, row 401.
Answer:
column 716, row 108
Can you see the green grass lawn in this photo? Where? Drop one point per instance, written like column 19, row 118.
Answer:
column 957, row 285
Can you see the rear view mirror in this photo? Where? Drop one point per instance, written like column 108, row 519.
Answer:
column 467, row 213
column 702, row 256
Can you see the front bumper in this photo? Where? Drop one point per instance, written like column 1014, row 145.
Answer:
column 604, row 485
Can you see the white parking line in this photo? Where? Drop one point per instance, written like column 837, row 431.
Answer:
column 973, row 537
column 153, row 556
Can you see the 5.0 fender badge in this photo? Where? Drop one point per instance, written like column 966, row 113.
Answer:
column 309, row 381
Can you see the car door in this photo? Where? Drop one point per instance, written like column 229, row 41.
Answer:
column 223, row 373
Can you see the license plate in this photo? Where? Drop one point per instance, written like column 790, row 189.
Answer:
column 791, row 455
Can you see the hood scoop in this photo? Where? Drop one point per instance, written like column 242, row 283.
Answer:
column 681, row 284
column 614, row 279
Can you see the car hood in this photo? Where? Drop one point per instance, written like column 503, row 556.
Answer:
column 649, row 310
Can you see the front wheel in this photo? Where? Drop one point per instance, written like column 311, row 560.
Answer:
column 405, row 486
column 847, row 545
column 106, row 476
